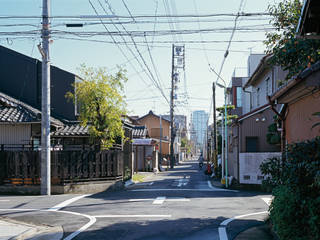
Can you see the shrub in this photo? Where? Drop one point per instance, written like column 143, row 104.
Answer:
column 295, row 209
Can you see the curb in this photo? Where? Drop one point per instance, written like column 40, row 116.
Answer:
column 36, row 232
column 41, row 233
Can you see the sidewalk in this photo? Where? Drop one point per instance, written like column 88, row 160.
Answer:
column 16, row 230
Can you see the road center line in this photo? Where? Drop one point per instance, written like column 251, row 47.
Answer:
column 67, row 202
column 159, row 200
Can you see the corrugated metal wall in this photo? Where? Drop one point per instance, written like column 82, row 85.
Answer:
column 15, row 133
column 250, row 127
column 299, row 120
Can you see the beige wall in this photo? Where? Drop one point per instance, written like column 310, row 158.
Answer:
column 153, row 125
column 299, row 120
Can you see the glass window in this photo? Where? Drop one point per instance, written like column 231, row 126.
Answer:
column 239, row 97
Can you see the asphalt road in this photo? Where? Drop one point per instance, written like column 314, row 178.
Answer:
column 179, row 204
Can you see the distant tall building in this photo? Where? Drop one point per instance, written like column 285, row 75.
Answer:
column 199, row 126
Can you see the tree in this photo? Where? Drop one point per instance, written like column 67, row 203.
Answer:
column 99, row 97
column 287, row 51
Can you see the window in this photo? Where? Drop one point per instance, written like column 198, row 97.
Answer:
column 239, row 97
column 251, row 144
column 258, row 97
column 267, row 86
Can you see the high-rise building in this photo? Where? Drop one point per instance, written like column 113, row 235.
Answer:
column 199, row 123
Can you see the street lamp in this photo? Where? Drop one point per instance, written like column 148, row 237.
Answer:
column 225, row 118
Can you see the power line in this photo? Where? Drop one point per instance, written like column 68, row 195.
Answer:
column 140, row 55
column 242, row 14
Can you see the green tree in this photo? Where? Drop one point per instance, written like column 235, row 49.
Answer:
column 273, row 135
column 185, row 143
column 289, row 52
column 99, row 97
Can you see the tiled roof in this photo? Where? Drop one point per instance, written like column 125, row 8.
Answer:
column 15, row 111
column 72, row 130
column 139, row 131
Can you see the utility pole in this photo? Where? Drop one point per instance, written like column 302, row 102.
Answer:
column 45, row 102
column 160, row 148
column 178, row 62
column 171, row 112
column 214, row 140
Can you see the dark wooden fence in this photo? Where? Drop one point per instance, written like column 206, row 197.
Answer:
column 23, row 167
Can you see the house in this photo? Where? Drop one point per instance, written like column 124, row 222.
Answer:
column 20, row 125
column 20, row 128
column 300, row 96
column 301, row 99
column 180, row 126
column 152, row 123
column 20, row 78
column 247, row 136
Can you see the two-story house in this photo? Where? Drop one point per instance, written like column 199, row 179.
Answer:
column 248, row 145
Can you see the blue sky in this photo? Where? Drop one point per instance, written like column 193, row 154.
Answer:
column 141, row 94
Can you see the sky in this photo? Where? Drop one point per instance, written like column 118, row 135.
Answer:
column 148, row 51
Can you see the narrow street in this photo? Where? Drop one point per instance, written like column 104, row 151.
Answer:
column 176, row 204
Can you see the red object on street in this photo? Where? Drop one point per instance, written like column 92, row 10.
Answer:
column 209, row 169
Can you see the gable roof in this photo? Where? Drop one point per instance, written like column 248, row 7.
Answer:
column 263, row 65
column 70, row 130
column 152, row 114
column 15, row 111
column 292, row 86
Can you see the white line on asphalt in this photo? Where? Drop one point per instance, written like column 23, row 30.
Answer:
column 222, row 228
column 220, row 189
column 177, row 200
column 133, row 216
column 72, row 235
column 4, row 200
column 84, row 227
column 180, row 183
column 182, row 189
column 67, row 202
column 267, row 200
column 140, row 200
column 159, row 200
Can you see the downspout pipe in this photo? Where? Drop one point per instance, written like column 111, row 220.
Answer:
column 282, row 118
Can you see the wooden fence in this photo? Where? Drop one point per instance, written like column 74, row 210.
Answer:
column 23, row 167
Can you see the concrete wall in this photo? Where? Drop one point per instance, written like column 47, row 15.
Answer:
column 249, row 166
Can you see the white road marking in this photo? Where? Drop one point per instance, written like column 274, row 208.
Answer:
column 67, row 202
column 140, row 200
column 267, row 200
column 144, row 183
column 219, row 189
column 133, row 216
column 222, row 228
column 177, row 200
column 182, row 189
column 92, row 219
column 4, row 200
column 159, row 200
